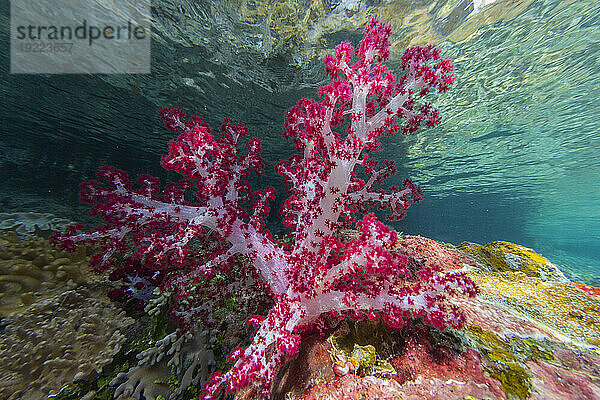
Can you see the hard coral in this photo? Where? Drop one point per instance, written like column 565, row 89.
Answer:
column 319, row 274
column 56, row 341
column 185, row 354
column 29, row 223
column 31, row 270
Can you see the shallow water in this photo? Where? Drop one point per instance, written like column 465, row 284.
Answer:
column 516, row 157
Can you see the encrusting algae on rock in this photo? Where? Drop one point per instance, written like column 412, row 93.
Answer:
column 529, row 334
column 510, row 257
column 527, row 283
column 560, row 307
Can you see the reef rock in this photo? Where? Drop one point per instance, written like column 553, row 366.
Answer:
column 505, row 257
column 529, row 334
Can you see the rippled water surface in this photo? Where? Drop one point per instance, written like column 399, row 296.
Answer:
column 516, row 158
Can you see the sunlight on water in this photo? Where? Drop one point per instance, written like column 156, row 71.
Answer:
column 516, row 157
column 522, row 122
column 196, row 286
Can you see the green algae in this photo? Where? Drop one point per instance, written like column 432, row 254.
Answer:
column 509, row 257
column 515, row 381
column 505, row 359
column 363, row 346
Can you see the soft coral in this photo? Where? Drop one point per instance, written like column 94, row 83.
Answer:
column 320, row 274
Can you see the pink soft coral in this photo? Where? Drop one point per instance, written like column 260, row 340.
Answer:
column 320, row 274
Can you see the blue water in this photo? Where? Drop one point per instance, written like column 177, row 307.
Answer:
column 516, row 158
column 518, row 155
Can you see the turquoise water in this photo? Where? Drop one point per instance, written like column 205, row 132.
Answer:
column 517, row 156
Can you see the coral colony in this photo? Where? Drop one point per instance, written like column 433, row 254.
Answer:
column 319, row 274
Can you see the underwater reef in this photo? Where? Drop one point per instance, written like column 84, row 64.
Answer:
column 525, row 337
column 56, row 342
column 529, row 334
column 31, row 269
column 195, row 298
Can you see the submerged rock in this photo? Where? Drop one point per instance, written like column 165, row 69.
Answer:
column 510, row 257
column 529, row 334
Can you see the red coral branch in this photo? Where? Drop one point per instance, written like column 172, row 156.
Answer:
column 376, row 275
